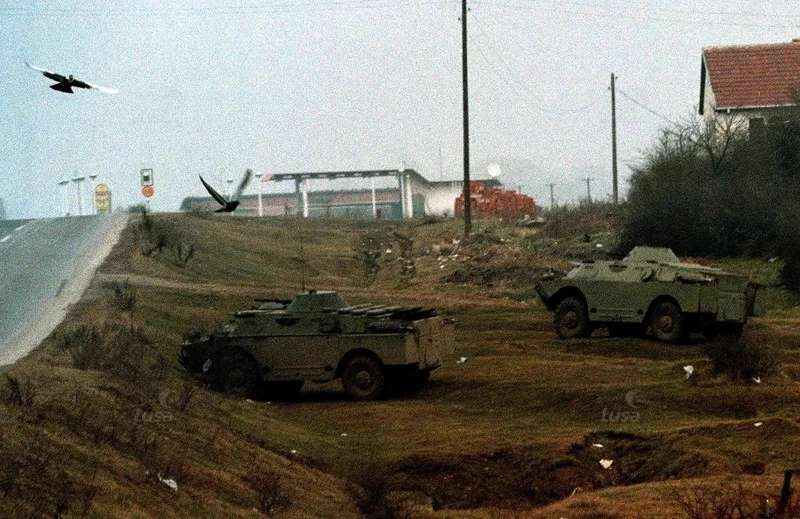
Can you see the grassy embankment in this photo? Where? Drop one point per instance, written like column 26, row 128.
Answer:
column 501, row 435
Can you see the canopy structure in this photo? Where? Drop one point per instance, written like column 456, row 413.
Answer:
column 404, row 178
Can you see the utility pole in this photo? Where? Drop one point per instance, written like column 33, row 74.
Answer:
column 552, row 196
column 614, row 140
column 589, row 181
column 467, row 191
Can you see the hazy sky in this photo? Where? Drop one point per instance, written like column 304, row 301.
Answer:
column 306, row 85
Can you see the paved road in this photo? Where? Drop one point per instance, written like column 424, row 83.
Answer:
column 45, row 265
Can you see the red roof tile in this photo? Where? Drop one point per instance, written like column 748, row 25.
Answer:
column 754, row 75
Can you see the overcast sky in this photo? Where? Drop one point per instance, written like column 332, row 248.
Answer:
column 304, row 85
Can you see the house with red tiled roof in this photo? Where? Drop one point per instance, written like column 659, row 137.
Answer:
column 752, row 83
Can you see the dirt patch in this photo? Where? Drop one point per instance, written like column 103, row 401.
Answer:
column 526, row 477
column 491, row 264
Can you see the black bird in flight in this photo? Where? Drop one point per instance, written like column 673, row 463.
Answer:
column 67, row 83
column 228, row 206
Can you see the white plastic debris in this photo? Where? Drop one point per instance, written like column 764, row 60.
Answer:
column 773, row 260
column 606, row 464
column 597, row 445
column 689, row 370
column 462, row 360
column 758, row 424
column 757, row 380
column 599, row 245
column 344, row 434
column 293, row 451
column 456, row 241
column 171, row 483
column 388, row 251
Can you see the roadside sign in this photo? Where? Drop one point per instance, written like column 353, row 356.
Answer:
column 102, row 199
column 148, row 191
column 147, row 178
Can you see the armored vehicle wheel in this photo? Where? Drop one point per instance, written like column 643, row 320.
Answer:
column 364, row 379
column 234, row 373
column 667, row 322
column 572, row 319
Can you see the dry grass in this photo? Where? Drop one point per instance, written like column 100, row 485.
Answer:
column 500, row 435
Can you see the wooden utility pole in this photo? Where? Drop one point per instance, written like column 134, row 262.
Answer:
column 467, row 193
column 614, row 140
column 552, row 197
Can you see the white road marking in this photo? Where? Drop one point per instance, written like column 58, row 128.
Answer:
column 20, row 227
column 5, row 238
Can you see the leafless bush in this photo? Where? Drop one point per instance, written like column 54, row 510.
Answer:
column 20, row 393
column 187, row 391
column 154, row 236
column 408, row 268
column 124, row 296
column 743, row 358
column 725, row 500
column 271, row 498
column 111, row 346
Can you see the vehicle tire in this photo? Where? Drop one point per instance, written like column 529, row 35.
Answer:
column 572, row 319
column 667, row 322
column 235, row 373
column 364, row 378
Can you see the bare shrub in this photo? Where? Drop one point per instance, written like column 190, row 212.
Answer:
column 408, row 269
column 271, row 497
column 726, row 500
column 20, row 393
column 187, row 391
column 124, row 296
column 743, row 358
column 85, row 345
column 369, row 250
column 154, row 237
column 111, row 346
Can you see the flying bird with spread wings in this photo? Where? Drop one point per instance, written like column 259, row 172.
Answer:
column 228, row 206
column 67, row 83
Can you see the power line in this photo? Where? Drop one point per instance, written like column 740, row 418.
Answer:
column 642, row 105
column 698, row 18
column 335, row 5
column 537, row 101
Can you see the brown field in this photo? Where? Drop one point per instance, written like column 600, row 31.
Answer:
column 94, row 419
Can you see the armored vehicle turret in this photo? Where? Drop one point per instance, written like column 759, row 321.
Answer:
column 650, row 290
column 318, row 336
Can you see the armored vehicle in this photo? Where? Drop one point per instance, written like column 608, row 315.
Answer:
column 649, row 290
column 318, row 336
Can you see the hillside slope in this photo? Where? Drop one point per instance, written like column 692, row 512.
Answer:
column 101, row 415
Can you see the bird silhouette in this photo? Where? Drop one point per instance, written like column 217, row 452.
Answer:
column 67, row 83
column 228, row 206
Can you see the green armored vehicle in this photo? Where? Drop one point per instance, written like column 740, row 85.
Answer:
column 649, row 290
column 318, row 336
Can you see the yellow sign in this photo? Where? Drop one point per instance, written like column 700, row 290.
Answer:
column 102, row 199
column 148, row 191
